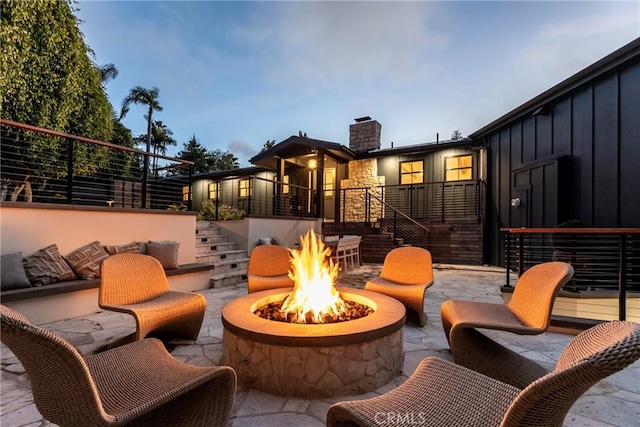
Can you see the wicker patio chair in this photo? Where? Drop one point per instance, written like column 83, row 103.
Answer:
column 136, row 284
column 527, row 313
column 406, row 274
column 138, row 384
column 441, row 393
column 268, row 268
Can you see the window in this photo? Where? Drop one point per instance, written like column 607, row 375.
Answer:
column 213, row 191
column 458, row 168
column 285, row 185
column 329, row 182
column 185, row 193
column 412, row 172
column 244, row 187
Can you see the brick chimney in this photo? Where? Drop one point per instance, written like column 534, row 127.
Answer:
column 364, row 134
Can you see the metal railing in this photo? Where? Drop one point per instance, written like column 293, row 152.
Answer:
column 46, row 166
column 263, row 197
column 604, row 259
column 405, row 230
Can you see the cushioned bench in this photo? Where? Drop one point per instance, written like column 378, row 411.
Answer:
column 80, row 285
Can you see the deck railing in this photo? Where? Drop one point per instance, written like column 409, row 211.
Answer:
column 42, row 165
column 604, row 259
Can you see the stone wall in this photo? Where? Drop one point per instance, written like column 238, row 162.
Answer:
column 362, row 174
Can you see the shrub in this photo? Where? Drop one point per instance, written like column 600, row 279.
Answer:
column 225, row 212
column 177, row 207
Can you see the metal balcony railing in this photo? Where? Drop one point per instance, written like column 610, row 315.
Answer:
column 604, row 259
column 46, row 166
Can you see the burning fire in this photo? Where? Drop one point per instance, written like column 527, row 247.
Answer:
column 314, row 294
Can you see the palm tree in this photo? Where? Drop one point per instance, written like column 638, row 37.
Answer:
column 149, row 97
column 107, row 72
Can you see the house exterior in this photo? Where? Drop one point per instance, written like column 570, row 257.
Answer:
column 569, row 153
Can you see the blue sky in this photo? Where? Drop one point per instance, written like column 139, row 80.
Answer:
column 237, row 74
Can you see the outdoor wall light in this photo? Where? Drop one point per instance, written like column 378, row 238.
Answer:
column 312, row 164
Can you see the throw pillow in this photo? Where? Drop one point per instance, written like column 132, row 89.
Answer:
column 12, row 272
column 86, row 260
column 123, row 249
column 165, row 252
column 47, row 266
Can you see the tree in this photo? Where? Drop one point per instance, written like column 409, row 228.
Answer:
column 268, row 145
column 48, row 79
column 223, row 160
column 148, row 97
column 161, row 138
column 456, row 135
column 107, row 72
column 205, row 160
column 195, row 152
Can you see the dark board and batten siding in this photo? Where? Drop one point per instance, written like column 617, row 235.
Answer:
column 581, row 154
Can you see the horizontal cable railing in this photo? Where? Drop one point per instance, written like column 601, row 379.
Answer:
column 45, row 166
column 405, row 230
column 435, row 200
column 263, row 197
column 604, row 259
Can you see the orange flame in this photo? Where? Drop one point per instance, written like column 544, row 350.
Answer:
column 314, row 293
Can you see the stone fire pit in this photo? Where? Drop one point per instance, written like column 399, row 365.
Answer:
column 314, row 360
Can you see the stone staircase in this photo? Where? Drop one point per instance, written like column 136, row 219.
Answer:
column 215, row 248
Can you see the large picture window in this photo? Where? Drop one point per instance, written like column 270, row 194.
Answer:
column 459, row 168
column 244, row 187
column 412, row 172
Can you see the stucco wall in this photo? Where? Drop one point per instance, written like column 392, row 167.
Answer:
column 249, row 230
column 29, row 227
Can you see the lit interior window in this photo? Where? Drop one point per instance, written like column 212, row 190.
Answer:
column 458, row 168
column 412, row 172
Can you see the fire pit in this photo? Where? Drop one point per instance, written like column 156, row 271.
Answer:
column 314, row 360
column 308, row 358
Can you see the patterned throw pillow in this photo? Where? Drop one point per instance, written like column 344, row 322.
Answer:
column 47, row 266
column 87, row 259
column 123, row 249
column 165, row 252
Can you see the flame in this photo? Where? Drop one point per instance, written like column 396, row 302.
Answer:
column 314, row 293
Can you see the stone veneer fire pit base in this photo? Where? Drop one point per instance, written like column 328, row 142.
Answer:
column 314, row 361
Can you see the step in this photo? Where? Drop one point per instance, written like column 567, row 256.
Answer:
column 214, row 238
column 231, row 265
column 221, row 247
column 206, row 225
column 221, row 244
column 221, row 256
column 227, row 279
column 208, row 232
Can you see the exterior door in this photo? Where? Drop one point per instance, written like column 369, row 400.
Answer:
column 329, row 191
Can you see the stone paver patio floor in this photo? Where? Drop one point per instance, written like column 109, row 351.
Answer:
column 613, row 402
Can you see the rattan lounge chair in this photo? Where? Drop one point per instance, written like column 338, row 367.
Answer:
column 406, row 274
column 136, row 284
column 138, row 384
column 527, row 313
column 440, row 393
column 268, row 268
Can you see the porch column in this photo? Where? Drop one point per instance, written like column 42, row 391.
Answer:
column 320, row 184
column 277, row 193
